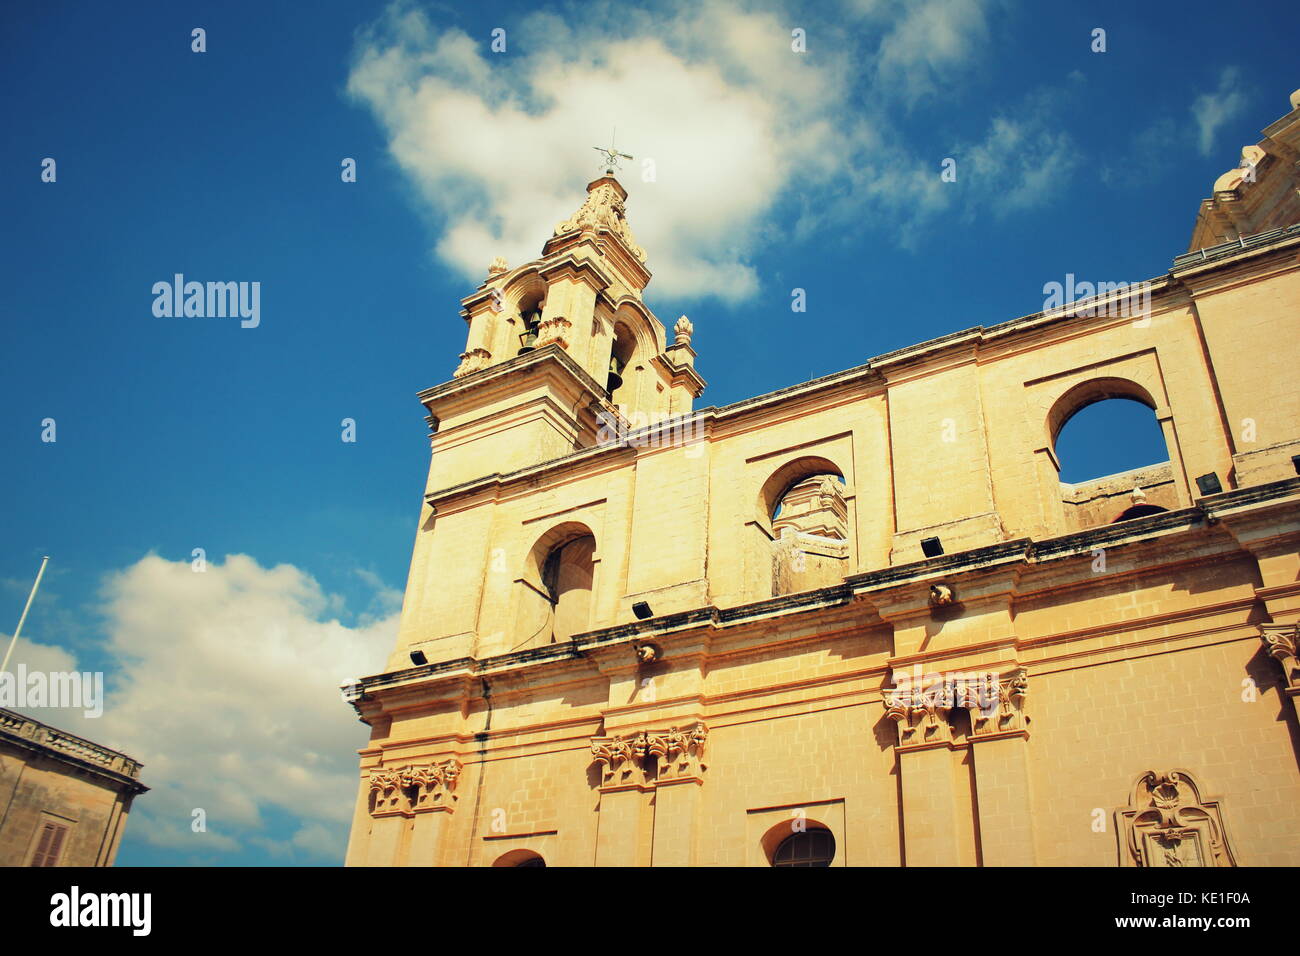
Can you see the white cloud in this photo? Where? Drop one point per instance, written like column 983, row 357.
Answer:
column 740, row 128
column 932, row 40
column 500, row 145
column 227, row 691
column 1022, row 160
column 1212, row 111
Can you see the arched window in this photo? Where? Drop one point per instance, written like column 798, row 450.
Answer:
column 1139, row 511
column 813, row 505
column 812, row 847
column 520, row 858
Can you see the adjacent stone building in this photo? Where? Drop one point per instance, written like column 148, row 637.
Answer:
column 860, row 620
column 63, row 799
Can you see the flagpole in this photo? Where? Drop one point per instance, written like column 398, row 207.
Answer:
column 14, row 640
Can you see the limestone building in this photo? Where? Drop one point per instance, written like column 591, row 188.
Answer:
column 63, row 799
column 860, row 620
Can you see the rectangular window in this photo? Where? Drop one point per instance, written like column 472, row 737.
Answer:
column 50, row 845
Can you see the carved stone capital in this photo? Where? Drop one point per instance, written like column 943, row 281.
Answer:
column 1281, row 641
column 621, row 760
column 554, row 330
column 680, row 752
column 674, row 754
column 997, row 704
column 386, row 794
column 1168, row 823
column 411, row 789
column 921, row 715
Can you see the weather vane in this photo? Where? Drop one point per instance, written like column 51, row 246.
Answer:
column 612, row 156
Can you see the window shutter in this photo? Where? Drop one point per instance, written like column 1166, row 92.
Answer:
column 50, row 845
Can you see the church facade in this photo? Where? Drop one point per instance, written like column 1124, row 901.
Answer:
column 859, row 621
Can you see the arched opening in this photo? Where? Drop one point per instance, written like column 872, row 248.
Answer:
column 803, row 506
column 555, row 589
column 619, row 382
column 1138, row 511
column 566, row 575
column 1113, row 461
column 785, row 478
column 813, row 505
column 530, row 318
column 799, row 843
column 520, row 858
column 1109, row 437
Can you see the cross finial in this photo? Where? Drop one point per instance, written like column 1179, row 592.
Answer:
column 612, row 156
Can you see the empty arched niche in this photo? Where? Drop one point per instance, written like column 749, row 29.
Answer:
column 555, row 588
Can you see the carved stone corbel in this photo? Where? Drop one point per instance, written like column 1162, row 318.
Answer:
column 1168, row 823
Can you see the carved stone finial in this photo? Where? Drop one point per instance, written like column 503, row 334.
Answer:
column 1138, row 497
column 497, row 266
column 684, row 329
column 603, row 210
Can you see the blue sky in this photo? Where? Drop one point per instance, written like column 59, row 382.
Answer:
column 775, row 170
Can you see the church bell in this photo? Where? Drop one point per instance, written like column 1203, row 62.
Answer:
column 528, row 337
column 615, row 378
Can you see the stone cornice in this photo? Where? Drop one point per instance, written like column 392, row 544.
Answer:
column 683, row 374
column 965, row 345
column 995, row 559
column 119, row 770
column 512, row 368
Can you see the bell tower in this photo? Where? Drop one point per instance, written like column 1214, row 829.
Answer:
column 557, row 344
column 558, row 350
